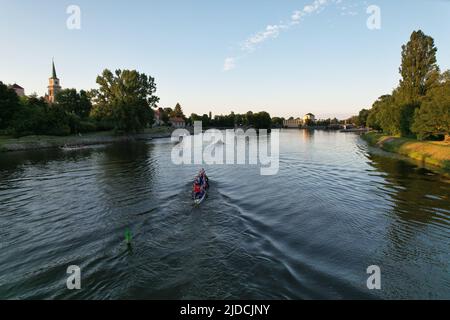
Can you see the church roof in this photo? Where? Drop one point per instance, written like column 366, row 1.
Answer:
column 16, row 86
column 54, row 70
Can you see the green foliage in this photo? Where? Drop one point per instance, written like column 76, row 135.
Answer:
column 404, row 112
column 166, row 115
column 126, row 98
column 260, row 120
column 177, row 112
column 37, row 117
column 277, row 122
column 353, row 120
column 323, row 122
column 194, row 117
column 34, row 116
column 75, row 103
column 124, row 102
column 419, row 69
column 433, row 117
column 9, row 105
column 362, row 117
column 206, row 121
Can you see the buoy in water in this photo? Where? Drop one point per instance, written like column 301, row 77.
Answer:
column 128, row 237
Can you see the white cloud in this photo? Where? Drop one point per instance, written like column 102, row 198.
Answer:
column 273, row 31
column 230, row 64
column 297, row 16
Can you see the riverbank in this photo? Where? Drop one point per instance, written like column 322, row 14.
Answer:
column 8, row 144
column 434, row 153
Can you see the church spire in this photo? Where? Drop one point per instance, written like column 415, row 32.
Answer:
column 54, row 70
column 53, row 85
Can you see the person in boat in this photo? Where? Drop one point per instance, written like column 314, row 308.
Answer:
column 200, row 185
column 204, row 178
column 197, row 192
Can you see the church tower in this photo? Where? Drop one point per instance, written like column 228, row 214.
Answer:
column 53, row 85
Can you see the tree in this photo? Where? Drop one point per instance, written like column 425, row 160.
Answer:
column 127, row 97
column 433, row 117
column 9, row 105
column 353, row 120
column 277, row 122
column 249, row 118
column 177, row 112
column 73, row 102
column 166, row 114
column 37, row 117
column 206, row 121
column 194, row 117
column 419, row 69
column 262, row 120
column 379, row 118
column 362, row 117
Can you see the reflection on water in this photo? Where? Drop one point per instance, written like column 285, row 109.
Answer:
column 420, row 214
column 307, row 134
column 416, row 195
column 311, row 231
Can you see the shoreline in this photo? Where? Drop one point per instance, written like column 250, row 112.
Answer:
column 28, row 143
column 430, row 153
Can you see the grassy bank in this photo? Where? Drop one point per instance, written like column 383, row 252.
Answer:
column 44, row 142
column 435, row 153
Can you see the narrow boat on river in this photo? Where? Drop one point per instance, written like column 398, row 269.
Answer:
column 200, row 187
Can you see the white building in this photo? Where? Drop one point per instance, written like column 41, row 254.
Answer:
column 309, row 117
column 293, row 123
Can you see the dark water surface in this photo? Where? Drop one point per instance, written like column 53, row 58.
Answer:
column 335, row 208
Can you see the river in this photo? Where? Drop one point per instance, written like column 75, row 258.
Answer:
column 336, row 207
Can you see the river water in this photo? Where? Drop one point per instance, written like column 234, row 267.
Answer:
column 335, row 208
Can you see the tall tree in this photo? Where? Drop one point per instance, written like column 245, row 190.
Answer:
column 419, row 70
column 178, row 111
column 129, row 97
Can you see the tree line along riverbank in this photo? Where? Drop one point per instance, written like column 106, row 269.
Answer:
column 434, row 153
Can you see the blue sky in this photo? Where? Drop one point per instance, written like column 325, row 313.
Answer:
column 329, row 63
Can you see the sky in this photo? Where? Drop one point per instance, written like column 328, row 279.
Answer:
column 286, row 57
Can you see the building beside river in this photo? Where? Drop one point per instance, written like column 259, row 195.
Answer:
column 293, row 123
column 309, row 118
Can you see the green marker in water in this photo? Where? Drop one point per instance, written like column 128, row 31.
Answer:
column 128, row 237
